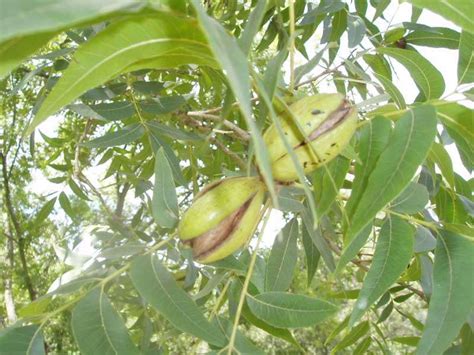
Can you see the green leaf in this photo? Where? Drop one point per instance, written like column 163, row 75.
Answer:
column 352, row 337
column 466, row 58
column 162, row 105
column 234, row 62
column 453, row 294
column 312, row 255
column 66, row 205
column 170, row 40
column 157, row 142
column 457, row 11
column 392, row 90
column 77, row 190
column 373, row 139
column 115, row 110
column 304, row 69
column 411, row 341
column 45, row 211
column 164, row 203
column 407, row 149
column 32, row 17
column 378, row 64
column 282, row 260
column 98, row 328
column 435, row 37
column 14, row 51
column 459, row 120
column 288, row 310
column 424, row 240
column 318, row 239
column 355, row 30
column 327, row 181
column 393, row 252
column 172, row 132
column 440, row 157
column 122, row 136
column 22, row 340
column 158, row 287
column 148, row 87
column 252, row 26
column 363, row 346
column 412, row 200
column 428, row 79
column 449, row 207
column 235, row 291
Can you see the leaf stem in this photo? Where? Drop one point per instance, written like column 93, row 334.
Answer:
column 292, row 44
column 247, row 282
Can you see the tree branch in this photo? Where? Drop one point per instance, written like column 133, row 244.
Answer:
column 14, row 220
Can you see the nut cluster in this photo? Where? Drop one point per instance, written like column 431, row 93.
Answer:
column 225, row 214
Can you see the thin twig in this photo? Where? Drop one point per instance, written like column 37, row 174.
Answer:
column 243, row 294
column 244, row 135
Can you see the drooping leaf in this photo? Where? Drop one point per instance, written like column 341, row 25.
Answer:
column 158, row 287
column 170, row 40
column 282, row 260
column 453, row 294
column 327, row 181
column 428, row 79
column 164, row 203
column 453, row 10
column 312, row 255
column 98, row 328
column 288, row 310
column 318, row 240
column 407, row 148
column 121, row 136
column 392, row 254
column 234, row 62
column 22, row 340
column 373, row 139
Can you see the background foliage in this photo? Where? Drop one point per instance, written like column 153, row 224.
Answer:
column 377, row 254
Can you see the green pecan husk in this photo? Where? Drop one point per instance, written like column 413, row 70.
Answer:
column 326, row 123
column 222, row 218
